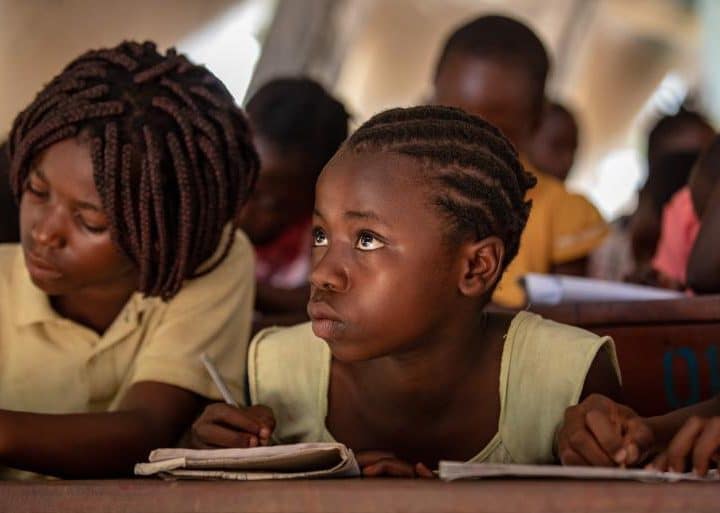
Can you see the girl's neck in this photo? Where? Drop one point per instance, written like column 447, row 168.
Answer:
column 422, row 380
column 95, row 309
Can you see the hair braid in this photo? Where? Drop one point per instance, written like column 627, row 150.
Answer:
column 171, row 154
column 477, row 179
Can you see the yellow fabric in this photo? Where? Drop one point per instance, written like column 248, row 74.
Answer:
column 543, row 371
column 49, row 364
column 562, row 227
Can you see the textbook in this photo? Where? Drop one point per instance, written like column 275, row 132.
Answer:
column 552, row 289
column 455, row 470
column 293, row 461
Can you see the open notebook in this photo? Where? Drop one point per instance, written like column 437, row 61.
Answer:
column 454, row 470
column 293, row 461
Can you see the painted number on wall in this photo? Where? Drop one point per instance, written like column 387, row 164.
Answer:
column 677, row 398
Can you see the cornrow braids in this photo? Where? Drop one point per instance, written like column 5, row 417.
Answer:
column 172, row 155
column 474, row 172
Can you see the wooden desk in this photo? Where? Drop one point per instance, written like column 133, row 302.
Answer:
column 335, row 496
column 669, row 350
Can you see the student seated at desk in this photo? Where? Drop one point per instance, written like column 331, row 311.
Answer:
column 129, row 167
column 681, row 220
column 703, row 272
column 297, row 128
column 415, row 220
column 556, row 141
column 601, row 432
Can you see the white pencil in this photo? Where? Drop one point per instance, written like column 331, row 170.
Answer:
column 217, row 379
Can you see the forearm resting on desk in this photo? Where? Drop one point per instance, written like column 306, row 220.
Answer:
column 666, row 426
column 97, row 444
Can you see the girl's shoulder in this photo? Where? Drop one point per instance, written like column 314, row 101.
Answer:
column 543, row 372
column 288, row 371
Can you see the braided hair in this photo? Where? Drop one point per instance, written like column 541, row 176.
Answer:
column 476, row 178
column 172, row 156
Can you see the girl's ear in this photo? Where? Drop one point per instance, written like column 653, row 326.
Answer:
column 481, row 265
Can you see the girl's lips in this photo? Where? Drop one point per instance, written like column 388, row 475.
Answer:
column 326, row 324
column 41, row 269
column 327, row 329
column 318, row 310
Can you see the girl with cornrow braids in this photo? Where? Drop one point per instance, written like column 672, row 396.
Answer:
column 416, row 218
column 130, row 168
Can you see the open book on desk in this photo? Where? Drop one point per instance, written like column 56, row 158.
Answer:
column 454, row 470
column 293, row 461
column 552, row 289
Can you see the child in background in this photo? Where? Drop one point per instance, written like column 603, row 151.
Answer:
column 627, row 253
column 601, row 432
column 297, row 128
column 496, row 67
column 703, row 272
column 416, row 218
column 556, row 141
column 681, row 220
column 686, row 131
column 130, row 167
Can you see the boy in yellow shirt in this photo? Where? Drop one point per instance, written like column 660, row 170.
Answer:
column 495, row 68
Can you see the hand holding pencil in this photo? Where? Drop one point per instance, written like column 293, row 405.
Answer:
column 225, row 425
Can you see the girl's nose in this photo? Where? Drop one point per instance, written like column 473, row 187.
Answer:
column 329, row 272
column 47, row 229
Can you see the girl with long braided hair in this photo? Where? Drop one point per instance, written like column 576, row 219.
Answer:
column 130, row 168
column 416, row 218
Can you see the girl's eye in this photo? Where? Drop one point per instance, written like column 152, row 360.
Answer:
column 93, row 229
column 368, row 242
column 319, row 238
column 36, row 187
column 92, row 226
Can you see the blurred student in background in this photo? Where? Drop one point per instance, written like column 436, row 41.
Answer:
column 674, row 145
column 297, row 127
column 703, row 271
column 556, row 141
column 496, row 68
column 681, row 221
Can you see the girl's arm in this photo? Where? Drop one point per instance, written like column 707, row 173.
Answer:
column 703, row 272
column 108, row 444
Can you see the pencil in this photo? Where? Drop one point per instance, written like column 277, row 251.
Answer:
column 219, row 382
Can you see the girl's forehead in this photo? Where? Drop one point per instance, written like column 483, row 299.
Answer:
column 390, row 184
column 68, row 164
column 387, row 168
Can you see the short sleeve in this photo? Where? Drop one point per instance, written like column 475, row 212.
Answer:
column 577, row 228
column 210, row 314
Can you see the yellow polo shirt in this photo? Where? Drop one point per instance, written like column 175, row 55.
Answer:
column 49, row 364
column 562, row 227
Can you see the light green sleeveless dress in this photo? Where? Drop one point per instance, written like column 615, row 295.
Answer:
column 542, row 373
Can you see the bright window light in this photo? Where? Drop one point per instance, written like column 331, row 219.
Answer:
column 230, row 46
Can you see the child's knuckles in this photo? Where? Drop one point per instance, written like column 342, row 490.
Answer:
column 695, row 422
column 578, row 439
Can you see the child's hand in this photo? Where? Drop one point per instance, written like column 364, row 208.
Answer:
column 699, row 438
column 386, row 464
column 601, row 432
column 222, row 425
